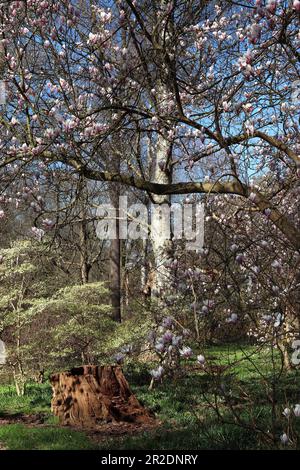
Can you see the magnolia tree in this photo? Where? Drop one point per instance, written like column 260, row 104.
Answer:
column 244, row 283
column 209, row 87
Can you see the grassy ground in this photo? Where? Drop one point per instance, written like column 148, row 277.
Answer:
column 20, row 437
column 254, row 385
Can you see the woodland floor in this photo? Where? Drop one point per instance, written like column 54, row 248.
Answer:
column 185, row 419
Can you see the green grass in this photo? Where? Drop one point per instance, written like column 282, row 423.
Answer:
column 20, row 437
column 182, row 405
column 35, row 400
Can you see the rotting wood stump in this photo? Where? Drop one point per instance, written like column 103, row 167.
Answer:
column 90, row 395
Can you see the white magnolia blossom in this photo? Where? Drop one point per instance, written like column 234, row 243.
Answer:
column 284, row 438
column 186, row 352
column 297, row 410
column 157, row 373
column 233, row 318
column 201, row 359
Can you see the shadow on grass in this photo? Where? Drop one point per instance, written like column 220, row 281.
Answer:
column 216, row 437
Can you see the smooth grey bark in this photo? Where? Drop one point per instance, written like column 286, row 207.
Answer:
column 160, row 221
column 115, row 263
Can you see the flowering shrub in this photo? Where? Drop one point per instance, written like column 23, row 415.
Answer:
column 168, row 341
column 290, row 436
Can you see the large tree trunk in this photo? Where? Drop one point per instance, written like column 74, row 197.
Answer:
column 83, row 239
column 160, row 221
column 83, row 232
column 162, row 161
column 90, row 395
column 115, row 265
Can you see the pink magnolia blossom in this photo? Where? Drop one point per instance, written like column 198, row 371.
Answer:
column 226, row 106
column 296, row 5
column 253, row 197
column 186, row 352
column 48, row 224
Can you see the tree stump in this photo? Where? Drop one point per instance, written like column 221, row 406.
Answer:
column 90, row 395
